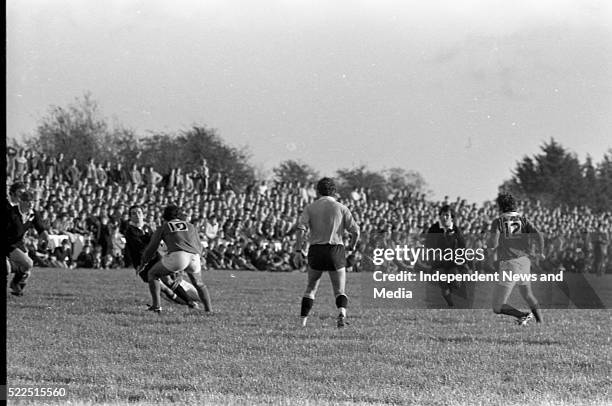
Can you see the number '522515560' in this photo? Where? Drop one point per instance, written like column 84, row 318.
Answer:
column 34, row 391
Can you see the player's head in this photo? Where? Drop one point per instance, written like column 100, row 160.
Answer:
column 136, row 214
column 446, row 215
column 26, row 201
column 506, row 202
column 172, row 212
column 16, row 189
column 326, row 187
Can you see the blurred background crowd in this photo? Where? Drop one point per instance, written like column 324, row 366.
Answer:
column 251, row 227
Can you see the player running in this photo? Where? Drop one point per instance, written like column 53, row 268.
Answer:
column 511, row 238
column 327, row 220
column 184, row 249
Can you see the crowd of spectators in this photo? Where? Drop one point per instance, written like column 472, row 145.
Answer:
column 86, row 209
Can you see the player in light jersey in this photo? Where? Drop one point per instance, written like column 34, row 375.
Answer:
column 511, row 239
column 327, row 221
column 184, row 249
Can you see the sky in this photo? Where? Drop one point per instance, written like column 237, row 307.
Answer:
column 458, row 90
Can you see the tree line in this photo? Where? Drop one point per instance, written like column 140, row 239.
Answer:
column 555, row 176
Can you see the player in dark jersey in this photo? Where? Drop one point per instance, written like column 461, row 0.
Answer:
column 442, row 235
column 511, row 239
column 137, row 237
column 184, row 250
column 20, row 218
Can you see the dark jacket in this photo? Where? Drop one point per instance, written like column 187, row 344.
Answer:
column 16, row 227
column 136, row 240
column 437, row 237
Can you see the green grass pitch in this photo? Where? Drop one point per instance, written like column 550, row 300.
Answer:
column 88, row 331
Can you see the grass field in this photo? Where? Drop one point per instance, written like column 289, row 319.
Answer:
column 87, row 330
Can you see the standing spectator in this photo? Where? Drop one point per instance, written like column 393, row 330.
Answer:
column 179, row 178
column 21, row 165
column 91, row 171
column 600, row 249
column 171, row 181
column 204, row 175
column 101, row 175
column 60, row 167
column 135, row 176
column 227, row 185
column 33, row 163
column 11, row 155
column 152, row 179
column 50, row 169
column 73, row 173
column 104, row 239
column 215, row 187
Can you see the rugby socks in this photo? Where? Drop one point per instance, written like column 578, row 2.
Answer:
column 180, row 292
column 511, row 311
column 155, row 290
column 341, row 304
column 449, row 299
column 306, row 306
column 536, row 313
column 205, row 298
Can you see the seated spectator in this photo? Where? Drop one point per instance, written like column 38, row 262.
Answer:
column 86, row 258
column 62, row 256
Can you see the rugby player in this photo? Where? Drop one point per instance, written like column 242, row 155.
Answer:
column 511, row 238
column 442, row 235
column 184, row 249
column 21, row 218
column 137, row 237
column 327, row 221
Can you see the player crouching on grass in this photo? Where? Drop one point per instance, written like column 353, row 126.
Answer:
column 184, row 250
column 20, row 218
column 511, row 237
column 327, row 220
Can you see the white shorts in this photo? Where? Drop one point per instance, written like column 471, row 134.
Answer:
column 181, row 261
column 518, row 266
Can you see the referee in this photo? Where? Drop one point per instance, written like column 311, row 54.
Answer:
column 327, row 221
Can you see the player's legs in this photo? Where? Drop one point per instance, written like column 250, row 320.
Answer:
column 165, row 285
column 338, row 280
column 21, row 265
column 503, row 289
column 527, row 294
column 314, row 277
column 524, row 267
column 194, row 273
column 157, row 272
column 173, row 262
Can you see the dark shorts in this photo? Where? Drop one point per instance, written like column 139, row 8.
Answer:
column 326, row 257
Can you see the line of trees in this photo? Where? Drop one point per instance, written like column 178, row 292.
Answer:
column 555, row 177
column 79, row 131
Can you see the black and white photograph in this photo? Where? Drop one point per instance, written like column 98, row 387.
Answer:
column 290, row 202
